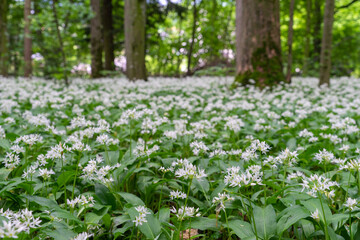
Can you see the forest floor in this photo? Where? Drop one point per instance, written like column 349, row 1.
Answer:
column 110, row 159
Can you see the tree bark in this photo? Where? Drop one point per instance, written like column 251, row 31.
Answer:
column 258, row 48
column 27, row 40
column 135, row 19
column 307, row 38
column 4, row 54
column 318, row 18
column 290, row 41
column 325, row 58
column 191, row 46
column 108, row 35
column 95, row 40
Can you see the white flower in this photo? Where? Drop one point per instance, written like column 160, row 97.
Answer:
column 220, row 201
column 139, row 220
column 177, row 194
column 45, row 173
column 315, row 215
column 83, row 236
column 185, row 212
column 351, row 203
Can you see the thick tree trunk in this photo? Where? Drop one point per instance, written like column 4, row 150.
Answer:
column 27, row 39
column 108, row 35
column 318, row 18
column 4, row 54
column 258, row 48
column 290, row 41
column 325, row 58
column 135, row 19
column 95, row 40
column 307, row 38
column 192, row 40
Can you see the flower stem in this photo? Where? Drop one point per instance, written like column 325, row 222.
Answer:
column 325, row 223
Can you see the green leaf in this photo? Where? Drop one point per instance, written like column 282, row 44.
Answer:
column 64, row 177
column 152, row 228
column 5, row 144
column 290, row 216
column 96, row 216
column 60, row 213
column 61, row 232
column 291, row 144
column 105, row 196
column 45, row 202
column 164, row 214
column 202, row 223
column 313, row 204
column 131, row 198
column 242, row 229
column 265, row 221
column 4, row 173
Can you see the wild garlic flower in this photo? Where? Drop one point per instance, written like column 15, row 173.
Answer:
column 93, row 172
column 319, row 184
column 286, row 157
column 177, row 194
column 106, row 140
column 143, row 211
column 198, row 147
column 351, row 203
column 30, row 139
column 45, row 173
column 17, row 222
column 315, row 215
column 2, row 133
column 324, row 156
column 81, row 201
column 17, row 149
column 233, row 123
column 83, row 236
column 251, row 177
column 187, row 170
column 185, row 212
column 262, row 147
column 11, row 160
column 141, row 150
column 354, row 164
column 56, row 152
column 220, row 201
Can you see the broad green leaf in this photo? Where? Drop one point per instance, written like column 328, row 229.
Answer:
column 242, row 229
column 265, row 221
column 64, row 177
column 106, row 197
column 313, row 204
column 289, row 217
column 131, row 198
column 152, row 228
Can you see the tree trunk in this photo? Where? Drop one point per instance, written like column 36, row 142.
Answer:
column 4, row 54
column 191, row 47
column 108, row 35
column 95, row 40
column 325, row 58
column 290, row 41
column 318, row 18
column 258, row 48
column 135, row 19
column 307, row 38
column 27, row 39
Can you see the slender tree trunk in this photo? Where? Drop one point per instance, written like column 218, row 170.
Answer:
column 64, row 64
column 135, row 19
column 191, row 47
column 27, row 39
column 318, row 18
column 290, row 41
column 325, row 59
column 4, row 54
column 307, row 38
column 258, row 48
column 108, row 35
column 95, row 40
